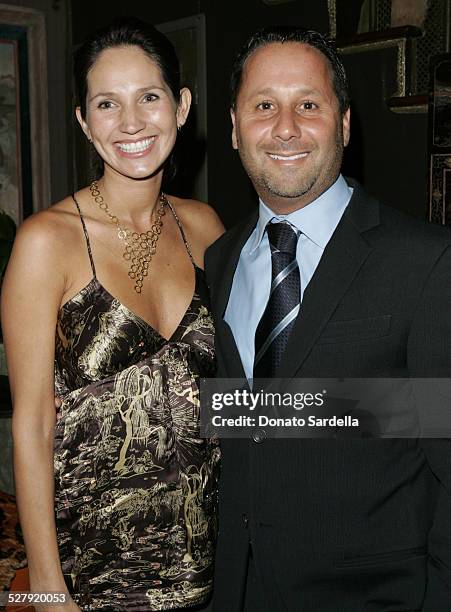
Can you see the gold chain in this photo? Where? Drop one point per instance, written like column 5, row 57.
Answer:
column 139, row 247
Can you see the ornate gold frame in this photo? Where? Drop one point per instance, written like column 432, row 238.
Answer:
column 399, row 44
column 332, row 10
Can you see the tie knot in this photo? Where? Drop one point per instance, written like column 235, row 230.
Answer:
column 283, row 237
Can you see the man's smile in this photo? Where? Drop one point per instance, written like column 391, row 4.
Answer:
column 287, row 156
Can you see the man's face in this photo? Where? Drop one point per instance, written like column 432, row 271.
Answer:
column 287, row 125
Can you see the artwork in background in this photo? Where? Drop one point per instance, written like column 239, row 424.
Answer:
column 16, row 191
column 409, row 12
column 440, row 140
column 10, row 171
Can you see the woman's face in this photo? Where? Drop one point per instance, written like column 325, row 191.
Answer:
column 131, row 114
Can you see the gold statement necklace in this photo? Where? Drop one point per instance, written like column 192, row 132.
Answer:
column 139, row 247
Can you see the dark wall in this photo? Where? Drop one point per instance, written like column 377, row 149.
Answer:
column 388, row 151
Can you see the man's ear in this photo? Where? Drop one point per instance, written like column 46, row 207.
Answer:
column 346, row 127
column 83, row 124
column 234, row 137
column 183, row 106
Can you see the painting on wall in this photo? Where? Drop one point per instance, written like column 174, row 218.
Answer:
column 440, row 140
column 24, row 139
column 15, row 155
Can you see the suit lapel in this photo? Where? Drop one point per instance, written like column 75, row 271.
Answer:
column 231, row 252
column 343, row 257
column 231, row 257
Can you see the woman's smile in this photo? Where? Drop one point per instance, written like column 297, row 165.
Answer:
column 137, row 148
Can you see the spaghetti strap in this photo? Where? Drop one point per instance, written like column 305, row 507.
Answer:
column 88, row 244
column 179, row 223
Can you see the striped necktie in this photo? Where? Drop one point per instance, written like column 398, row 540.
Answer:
column 283, row 304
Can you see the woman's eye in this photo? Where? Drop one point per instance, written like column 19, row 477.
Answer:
column 105, row 104
column 308, row 106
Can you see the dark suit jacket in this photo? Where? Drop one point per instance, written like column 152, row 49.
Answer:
column 345, row 525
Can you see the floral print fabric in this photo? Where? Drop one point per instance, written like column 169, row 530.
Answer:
column 135, row 485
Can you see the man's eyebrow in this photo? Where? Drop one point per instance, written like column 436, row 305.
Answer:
column 110, row 94
column 267, row 91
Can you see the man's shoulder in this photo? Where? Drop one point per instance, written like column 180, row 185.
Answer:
column 402, row 227
column 411, row 230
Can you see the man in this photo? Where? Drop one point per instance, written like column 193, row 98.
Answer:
column 325, row 525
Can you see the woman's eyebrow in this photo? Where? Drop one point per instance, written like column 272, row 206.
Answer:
column 107, row 94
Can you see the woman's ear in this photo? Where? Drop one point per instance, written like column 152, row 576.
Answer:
column 83, row 124
column 183, row 106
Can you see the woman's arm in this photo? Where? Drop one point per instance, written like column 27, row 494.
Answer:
column 31, row 296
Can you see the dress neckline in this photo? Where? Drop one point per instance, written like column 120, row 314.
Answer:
column 95, row 281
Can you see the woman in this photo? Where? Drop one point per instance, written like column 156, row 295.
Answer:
column 126, row 518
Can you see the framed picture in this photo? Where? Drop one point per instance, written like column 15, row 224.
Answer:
column 440, row 139
column 188, row 37
column 24, row 141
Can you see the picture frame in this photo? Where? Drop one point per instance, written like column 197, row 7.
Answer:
column 24, row 125
column 439, row 138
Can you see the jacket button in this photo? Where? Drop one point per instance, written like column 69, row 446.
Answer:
column 245, row 521
column 259, row 436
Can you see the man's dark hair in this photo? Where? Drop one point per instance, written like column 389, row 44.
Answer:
column 283, row 34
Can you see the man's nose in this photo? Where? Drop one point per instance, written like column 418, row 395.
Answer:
column 131, row 119
column 288, row 124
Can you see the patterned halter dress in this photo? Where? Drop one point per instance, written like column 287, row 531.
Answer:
column 135, row 484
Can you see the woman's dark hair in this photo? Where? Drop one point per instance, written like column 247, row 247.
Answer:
column 283, row 34
column 126, row 31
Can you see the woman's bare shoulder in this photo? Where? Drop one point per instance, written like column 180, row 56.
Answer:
column 199, row 219
column 193, row 207
column 54, row 229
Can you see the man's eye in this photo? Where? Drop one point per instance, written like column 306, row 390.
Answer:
column 265, row 105
column 308, row 106
column 105, row 104
column 150, row 97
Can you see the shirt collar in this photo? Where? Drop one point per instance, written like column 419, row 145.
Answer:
column 317, row 220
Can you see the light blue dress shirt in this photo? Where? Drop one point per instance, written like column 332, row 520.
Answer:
column 252, row 280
